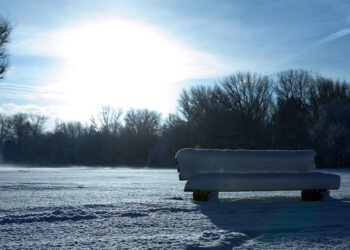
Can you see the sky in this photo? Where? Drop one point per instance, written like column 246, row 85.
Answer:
column 68, row 58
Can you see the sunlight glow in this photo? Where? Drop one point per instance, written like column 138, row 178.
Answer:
column 121, row 63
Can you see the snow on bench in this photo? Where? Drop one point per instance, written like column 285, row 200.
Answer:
column 209, row 171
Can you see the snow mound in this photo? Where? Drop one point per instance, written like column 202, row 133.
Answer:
column 55, row 216
column 191, row 162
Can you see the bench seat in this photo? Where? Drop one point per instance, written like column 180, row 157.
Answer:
column 262, row 182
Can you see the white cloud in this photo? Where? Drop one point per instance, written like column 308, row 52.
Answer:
column 334, row 36
column 20, row 91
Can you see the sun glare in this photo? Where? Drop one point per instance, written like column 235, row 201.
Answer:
column 121, row 63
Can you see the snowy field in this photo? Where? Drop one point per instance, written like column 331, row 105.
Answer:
column 45, row 208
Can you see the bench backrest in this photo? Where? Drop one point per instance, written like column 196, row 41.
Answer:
column 191, row 162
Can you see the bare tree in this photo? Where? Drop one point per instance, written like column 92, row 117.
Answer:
column 142, row 122
column 195, row 103
column 294, row 84
column 70, row 129
column 4, row 128
column 20, row 126
column 109, row 119
column 249, row 94
column 5, row 30
column 171, row 122
column 326, row 90
column 37, row 124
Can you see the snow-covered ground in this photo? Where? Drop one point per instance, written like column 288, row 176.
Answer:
column 147, row 208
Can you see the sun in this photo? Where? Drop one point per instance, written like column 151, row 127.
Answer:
column 121, row 63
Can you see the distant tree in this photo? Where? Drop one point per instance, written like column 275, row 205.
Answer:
column 174, row 137
column 104, row 136
column 4, row 128
column 140, row 135
column 71, row 129
column 109, row 119
column 248, row 108
column 19, row 132
column 232, row 114
column 194, row 104
column 175, row 130
column 173, row 121
column 294, row 84
column 37, row 124
column 5, row 31
column 324, row 91
column 331, row 134
column 292, row 120
column 291, row 124
column 21, row 126
column 249, row 94
column 196, row 107
column 142, row 122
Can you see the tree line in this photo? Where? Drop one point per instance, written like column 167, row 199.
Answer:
column 104, row 141
column 296, row 110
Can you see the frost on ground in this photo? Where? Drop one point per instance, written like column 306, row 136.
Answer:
column 147, row 208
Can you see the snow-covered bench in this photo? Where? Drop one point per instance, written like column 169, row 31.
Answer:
column 209, row 171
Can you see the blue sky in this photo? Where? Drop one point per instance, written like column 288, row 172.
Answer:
column 67, row 58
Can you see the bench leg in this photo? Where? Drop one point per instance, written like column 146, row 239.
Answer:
column 200, row 196
column 205, row 196
column 213, row 196
column 313, row 195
